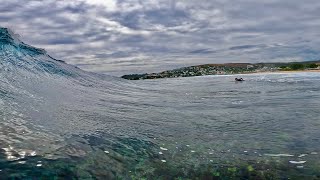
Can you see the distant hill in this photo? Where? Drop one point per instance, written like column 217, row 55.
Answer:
column 228, row 68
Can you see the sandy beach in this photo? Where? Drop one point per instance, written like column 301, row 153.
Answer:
column 295, row 71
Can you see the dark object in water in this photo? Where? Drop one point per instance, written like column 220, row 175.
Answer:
column 239, row 79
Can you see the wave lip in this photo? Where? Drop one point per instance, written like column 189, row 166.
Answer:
column 7, row 37
column 16, row 55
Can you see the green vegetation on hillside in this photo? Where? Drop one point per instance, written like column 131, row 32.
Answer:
column 299, row 66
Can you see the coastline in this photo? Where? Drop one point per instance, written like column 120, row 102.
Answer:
column 230, row 69
column 248, row 73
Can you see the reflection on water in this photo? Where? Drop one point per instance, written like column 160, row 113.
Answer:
column 106, row 128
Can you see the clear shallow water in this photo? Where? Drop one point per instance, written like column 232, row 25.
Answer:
column 58, row 121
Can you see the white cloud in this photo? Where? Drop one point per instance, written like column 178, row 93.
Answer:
column 111, row 5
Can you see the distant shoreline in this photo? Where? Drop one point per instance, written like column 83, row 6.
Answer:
column 230, row 69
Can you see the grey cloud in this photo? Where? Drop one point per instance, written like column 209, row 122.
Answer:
column 247, row 47
column 202, row 51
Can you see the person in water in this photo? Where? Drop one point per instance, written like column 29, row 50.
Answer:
column 239, row 79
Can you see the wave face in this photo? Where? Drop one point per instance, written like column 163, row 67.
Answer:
column 51, row 110
column 57, row 121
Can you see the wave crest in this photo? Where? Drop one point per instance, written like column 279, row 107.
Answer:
column 7, row 37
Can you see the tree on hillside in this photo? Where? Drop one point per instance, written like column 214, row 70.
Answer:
column 313, row 65
column 296, row 66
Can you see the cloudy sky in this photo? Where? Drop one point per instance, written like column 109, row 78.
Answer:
column 134, row 36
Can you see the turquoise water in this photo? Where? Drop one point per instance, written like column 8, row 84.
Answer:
column 58, row 121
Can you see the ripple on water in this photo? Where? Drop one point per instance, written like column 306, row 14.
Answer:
column 279, row 155
column 297, row 162
column 163, row 149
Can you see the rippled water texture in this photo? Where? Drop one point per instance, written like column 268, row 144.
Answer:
column 58, row 121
